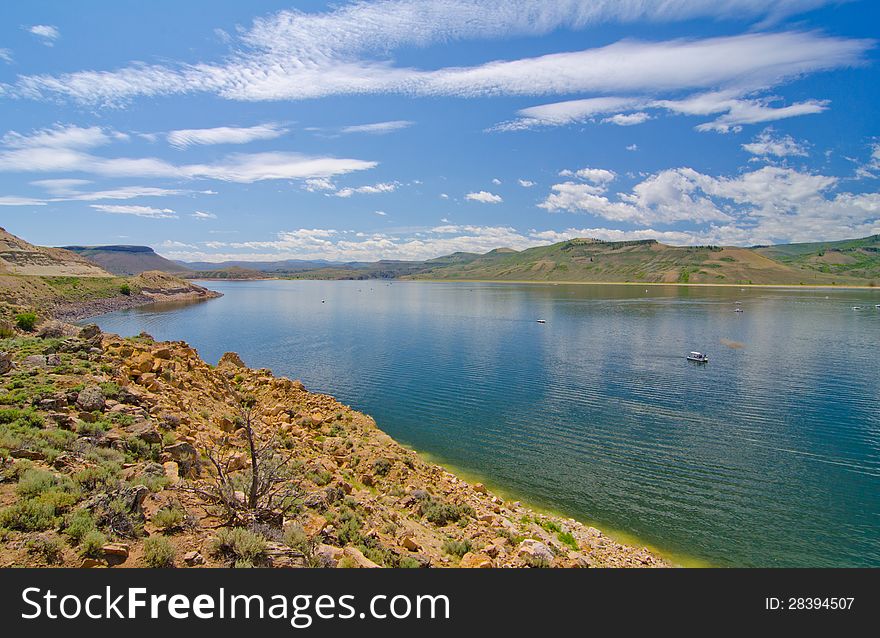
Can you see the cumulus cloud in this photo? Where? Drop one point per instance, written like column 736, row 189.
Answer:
column 766, row 143
column 484, row 197
column 184, row 138
column 627, row 119
column 769, row 205
column 525, row 183
column 138, row 211
column 595, row 175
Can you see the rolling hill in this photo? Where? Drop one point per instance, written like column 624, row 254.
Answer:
column 848, row 258
column 128, row 260
column 645, row 261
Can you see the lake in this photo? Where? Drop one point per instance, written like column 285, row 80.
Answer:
column 769, row 455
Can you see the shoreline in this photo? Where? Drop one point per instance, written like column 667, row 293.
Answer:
column 611, row 543
column 813, row 286
column 82, row 310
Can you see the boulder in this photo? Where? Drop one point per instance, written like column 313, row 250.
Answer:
column 473, row 560
column 89, row 331
column 409, row 543
column 534, row 552
column 359, row 559
column 145, row 432
column 6, row 364
column 90, row 399
column 172, row 471
column 328, row 555
column 479, row 487
column 231, row 359
column 314, row 524
column 193, row 558
column 116, row 550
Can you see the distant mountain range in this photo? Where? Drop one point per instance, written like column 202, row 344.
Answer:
column 855, row 261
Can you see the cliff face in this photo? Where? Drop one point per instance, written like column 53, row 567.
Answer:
column 18, row 257
column 128, row 260
column 147, row 446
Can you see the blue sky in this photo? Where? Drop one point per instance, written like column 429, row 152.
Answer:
column 408, row 130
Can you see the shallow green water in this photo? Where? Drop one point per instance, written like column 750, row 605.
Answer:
column 768, row 455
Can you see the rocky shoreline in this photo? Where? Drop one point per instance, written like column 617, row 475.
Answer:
column 77, row 311
column 153, row 428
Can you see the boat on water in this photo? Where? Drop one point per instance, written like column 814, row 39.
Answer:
column 698, row 357
column 857, row 307
column 541, row 320
column 738, row 310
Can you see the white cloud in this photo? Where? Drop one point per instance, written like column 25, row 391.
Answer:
column 595, row 175
column 769, row 205
column 374, row 189
column 202, row 215
column 525, row 183
column 444, row 196
column 184, row 138
column 138, row 211
column 6, row 56
column 484, row 197
column 46, row 32
column 737, row 111
column 627, row 119
column 381, row 213
column 13, row 200
column 62, row 137
column 564, row 113
column 496, row 181
column 632, row 147
column 780, row 146
column 378, row 128
column 319, row 184
column 346, row 51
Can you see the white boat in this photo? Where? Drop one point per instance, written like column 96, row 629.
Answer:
column 541, row 320
column 698, row 357
column 877, row 306
column 857, row 307
column 738, row 310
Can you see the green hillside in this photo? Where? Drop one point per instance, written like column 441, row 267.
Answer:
column 632, row 261
column 848, row 258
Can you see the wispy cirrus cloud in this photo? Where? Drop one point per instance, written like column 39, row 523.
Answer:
column 378, row 128
column 137, row 211
column 68, row 149
column 184, row 138
column 293, row 55
column 47, row 33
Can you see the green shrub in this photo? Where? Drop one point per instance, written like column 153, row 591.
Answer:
column 550, row 526
column 408, row 562
column 96, row 477
column 243, row 547
column 47, row 547
column 382, row 466
column 92, row 544
column 158, row 552
column 320, row 478
column 169, row 518
column 28, row 516
column 7, row 330
column 125, row 289
column 566, row 538
column 457, row 548
column 78, row 523
column 442, row 514
column 26, row 321
column 109, row 389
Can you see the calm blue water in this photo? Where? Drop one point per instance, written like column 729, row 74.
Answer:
column 769, row 455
